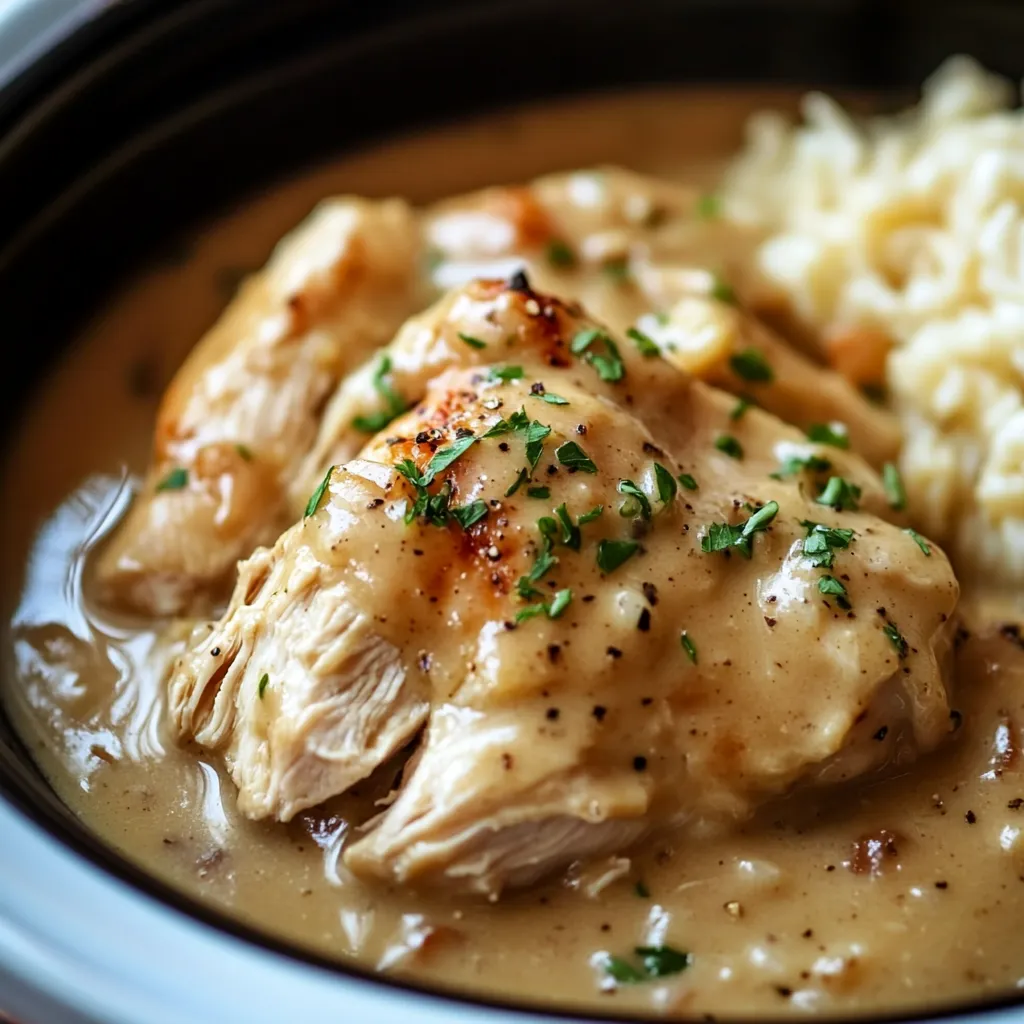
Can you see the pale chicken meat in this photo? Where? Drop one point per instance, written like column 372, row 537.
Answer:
column 244, row 409
column 605, row 603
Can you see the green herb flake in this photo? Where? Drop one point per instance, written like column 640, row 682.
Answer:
column 687, row 481
column 831, row 587
column 572, row 456
column 471, row 341
column 739, row 409
column 505, row 373
column 840, row 494
column 834, row 434
column 538, row 492
column 751, row 365
column 609, row 366
column 245, row 451
column 898, row 640
column 919, row 540
column 394, row 403
column 263, row 684
column 467, row 515
column 688, row 646
column 535, row 435
column 665, row 482
column 559, row 603
column 821, row 541
column 645, row 345
column 613, row 553
column 656, row 962
column 895, row 492
column 583, row 340
column 729, row 445
column 641, row 890
column 617, row 270
column 560, row 254
column 176, row 480
column 639, row 505
column 724, row 536
column 318, row 495
column 521, row 479
column 571, row 536
column 796, row 463
column 589, row 517
column 553, row 399
column 444, row 457
column 531, row 611
column 709, row 207
column 723, row 291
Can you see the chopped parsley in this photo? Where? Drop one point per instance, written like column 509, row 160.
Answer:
column 687, row 481
column 263, row 684
column 831, row 587
column 444, row 457
column 729, row 445
column 467, row 515
column 840, row 494
column 645, row 345
column 245, row 451
column 821, row 541
column 723, row 291
column 589, row 517
column 834, row 434
column 739, row 409
column 688, row 646
column 655, row 962
column 894, row 489
column 751, row 365
column 898, row 640
column 560, row 254
column 571, row 536
column 709, row 207
column 553, row 399
column 609, row 366
column 613, row 553
column 795, row 463
column 174, row 481
column 318, row 495
column 919, row 540
column 665, row 482
column 617, row 270
column 561, row 601
column 641, row 890
column 538, row 492
column 544, row 562
column 394, row 404
column 572, row 456
column 505, row 373
column 521, row 479
column 471, row 341
column 725, row 536
column 535, row 434
column 637, row 502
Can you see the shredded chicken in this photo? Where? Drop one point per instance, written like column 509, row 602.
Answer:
column 599, row 594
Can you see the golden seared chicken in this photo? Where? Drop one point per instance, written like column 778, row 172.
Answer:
column 605, row 602
column 244, row 409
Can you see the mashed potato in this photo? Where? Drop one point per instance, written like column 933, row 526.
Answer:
column 911, row 228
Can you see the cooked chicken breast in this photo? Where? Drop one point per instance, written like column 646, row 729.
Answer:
column 617, row 607
column 243, row 411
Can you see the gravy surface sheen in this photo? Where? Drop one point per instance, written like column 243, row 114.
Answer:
column 902, row 893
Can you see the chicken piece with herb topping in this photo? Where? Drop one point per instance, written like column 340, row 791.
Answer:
column 242, row 412
column 609, row 607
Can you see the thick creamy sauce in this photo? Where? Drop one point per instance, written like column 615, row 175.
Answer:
column 895, row 893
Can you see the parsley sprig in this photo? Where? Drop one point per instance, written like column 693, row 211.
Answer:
column 726, row 536
column 394, row 404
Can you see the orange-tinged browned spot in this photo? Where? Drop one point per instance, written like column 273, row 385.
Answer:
column 520, row 208
column 876, row 853
column 859, row 354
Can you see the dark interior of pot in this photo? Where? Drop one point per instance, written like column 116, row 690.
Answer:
column 121, row 148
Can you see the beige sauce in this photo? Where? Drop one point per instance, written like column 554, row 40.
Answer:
column 791, row 913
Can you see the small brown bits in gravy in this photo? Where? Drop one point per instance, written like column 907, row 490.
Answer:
column 1016, row 803
column 643, row 623
column 882, row 733
column 872, row 852
column 639, row 763
column 507, row 761
column 599, row 712
column 942, row 885
column 554, row 650
column 651, row 593
column 970, row 817
column 613, row 652
column 552, row 714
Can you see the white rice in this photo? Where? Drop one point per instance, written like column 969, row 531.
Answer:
column 914, row 224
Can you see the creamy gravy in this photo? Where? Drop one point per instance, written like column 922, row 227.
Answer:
column 897, row 893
